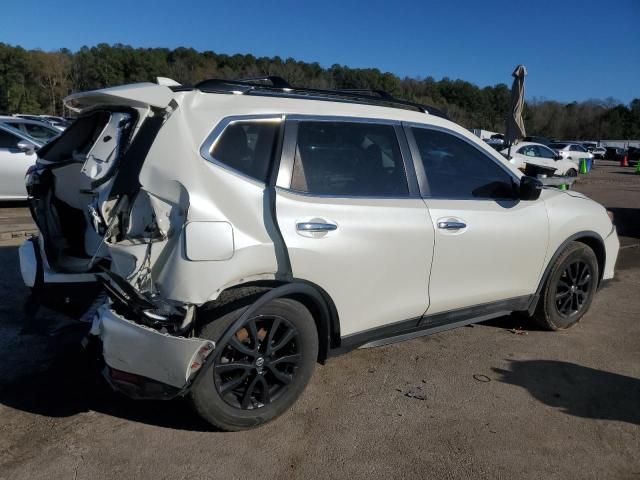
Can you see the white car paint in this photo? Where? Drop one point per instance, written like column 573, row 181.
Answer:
column 386, row 260
column 538, row 154
column 14, row 163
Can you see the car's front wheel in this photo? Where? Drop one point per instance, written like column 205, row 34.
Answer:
column 261, row 370
column 572, row 173
column 569, row 289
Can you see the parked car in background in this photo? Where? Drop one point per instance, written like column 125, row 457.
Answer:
column 17, row 154
column 496, row 141
column 597, row 152
column 614, row 153
column 540, row 155
column 571, row 151
column 59, row 123
column 633, row 153
column 543, row 140
column 290, row 225
column 37, row 131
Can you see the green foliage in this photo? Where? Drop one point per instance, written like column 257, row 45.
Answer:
column 34, row 81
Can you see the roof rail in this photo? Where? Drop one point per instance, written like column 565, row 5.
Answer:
column 277, row 82
column 281, row 88
column 366, row 91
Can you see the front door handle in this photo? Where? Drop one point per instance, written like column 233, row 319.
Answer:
column 315, row 227
column 449, row 225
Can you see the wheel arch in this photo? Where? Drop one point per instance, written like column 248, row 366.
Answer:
column 313, row 297
column 592, row 239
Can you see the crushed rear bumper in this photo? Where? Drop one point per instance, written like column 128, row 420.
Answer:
column 137, row 356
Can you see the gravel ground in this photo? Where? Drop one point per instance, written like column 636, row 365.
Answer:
column 497, row 400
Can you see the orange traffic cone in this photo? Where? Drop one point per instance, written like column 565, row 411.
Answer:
column 624, row 162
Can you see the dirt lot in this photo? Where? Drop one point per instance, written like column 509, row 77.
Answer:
column 498, row 400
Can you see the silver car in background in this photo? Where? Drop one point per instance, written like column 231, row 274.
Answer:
column 17, row 154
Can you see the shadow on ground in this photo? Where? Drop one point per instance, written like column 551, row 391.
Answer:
column 576, row 390
column 53, row 376
column 627, row 221
column 513, row 322
column 14, row 204
column 68, row 385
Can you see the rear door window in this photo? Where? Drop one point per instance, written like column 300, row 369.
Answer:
column 348, row 159
column 528, row 150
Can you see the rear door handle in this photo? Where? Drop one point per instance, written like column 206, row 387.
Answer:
column 451, row 225
column 315, row 227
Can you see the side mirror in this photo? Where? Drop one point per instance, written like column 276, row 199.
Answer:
column 27, row 147
column 558, row 156
column 530, row 188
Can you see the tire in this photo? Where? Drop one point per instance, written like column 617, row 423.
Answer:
column 234, row 398
column 572, row 173
column 569, row 289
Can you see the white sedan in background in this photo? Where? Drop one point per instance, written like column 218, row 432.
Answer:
column 572, row 151
column 17, row 154
column 541, row 155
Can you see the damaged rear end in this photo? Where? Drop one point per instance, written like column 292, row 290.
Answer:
column 99, row 227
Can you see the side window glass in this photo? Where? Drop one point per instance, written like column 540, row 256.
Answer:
column 348, row 159
column 545, row 152
column 456, row 169
column 40, row 132
column 8, row 140
column 248, row 147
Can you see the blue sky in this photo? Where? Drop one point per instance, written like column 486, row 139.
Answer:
column 573, row 50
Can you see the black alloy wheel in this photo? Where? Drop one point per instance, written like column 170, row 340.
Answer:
column 569, row 289
column 573, row 288
column 258, row 362
column 261, row 370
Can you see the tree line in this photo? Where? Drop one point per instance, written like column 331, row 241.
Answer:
column 34, row 81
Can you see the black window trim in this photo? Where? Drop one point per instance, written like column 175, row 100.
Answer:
column 419, row 167
column 285, row 173
column 212, row 138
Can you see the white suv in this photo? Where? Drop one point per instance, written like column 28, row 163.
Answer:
column 242, row 231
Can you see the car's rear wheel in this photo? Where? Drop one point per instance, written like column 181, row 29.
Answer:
column 572, row 173
column 261, row 370
column 569, row 289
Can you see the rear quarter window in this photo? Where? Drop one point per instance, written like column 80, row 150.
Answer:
column 248, row 147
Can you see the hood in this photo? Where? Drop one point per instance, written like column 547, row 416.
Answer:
column 575, row 194
column 137, row 95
